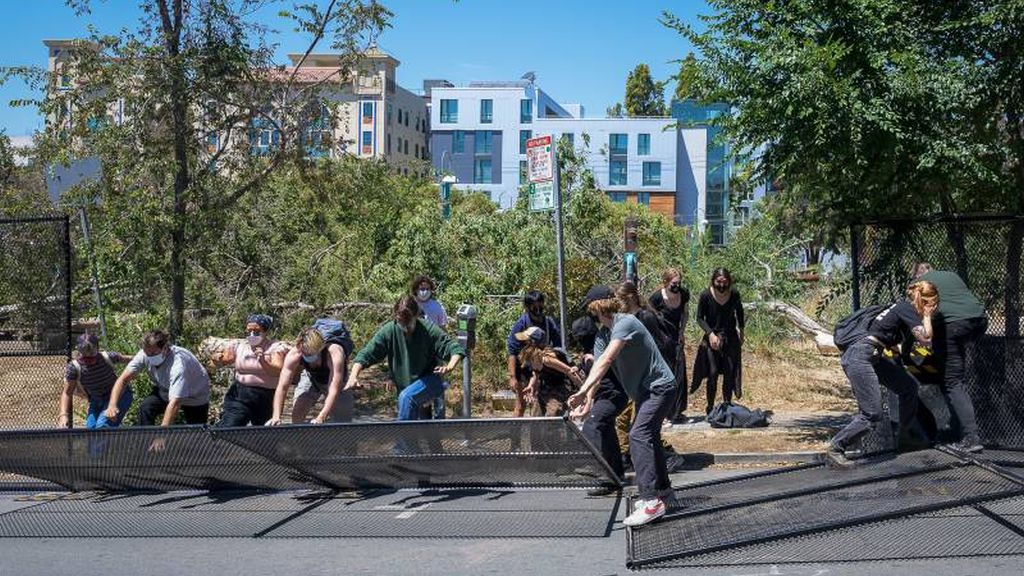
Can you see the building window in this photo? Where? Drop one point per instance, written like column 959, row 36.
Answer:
column 523, row 172
column 387, row 144
column 617, row 173
column 406, row 118
column 486, row 111
column 390, row 113
column 652, row 174
column 717, row 234
column 569, row 138
column 449, row 111
column 316, row 138
column 525, row 111
column 618, row 143
column 524, row 135
column 264, row 137
column 482, row 171
column 458, row 142
column 406, row 144
column 482, row 144
column 367, row 112
column 618, row 197
column 416, row 150
column 643, row 198
column 643, row 144
column 367, row 143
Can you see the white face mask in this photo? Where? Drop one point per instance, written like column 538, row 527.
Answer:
column 423, row 295
column 255, row 338
column 155, row 360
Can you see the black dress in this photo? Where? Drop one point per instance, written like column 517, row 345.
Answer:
column 673, row 322
column 725, row 320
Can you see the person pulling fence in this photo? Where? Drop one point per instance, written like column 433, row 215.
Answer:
column 320, row 360
column 93, row 370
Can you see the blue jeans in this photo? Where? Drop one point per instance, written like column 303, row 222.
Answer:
column 97, row 417
column 416, row 393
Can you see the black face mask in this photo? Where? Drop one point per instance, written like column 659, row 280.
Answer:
column 675, row 288
column 721, row 289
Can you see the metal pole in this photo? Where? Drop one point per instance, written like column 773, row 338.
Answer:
column 467, row 377
column 561, row 246
column 97, row 295
column 855, row 266
column 67, row 300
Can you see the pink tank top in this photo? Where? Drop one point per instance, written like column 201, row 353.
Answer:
column 249, row 370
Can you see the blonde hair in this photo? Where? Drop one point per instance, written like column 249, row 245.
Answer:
column 310, row 341
column 532, row 355
column 923, row 294
column 605, row 307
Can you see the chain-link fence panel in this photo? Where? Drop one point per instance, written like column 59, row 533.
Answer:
column 986, row 252
column 35, row 318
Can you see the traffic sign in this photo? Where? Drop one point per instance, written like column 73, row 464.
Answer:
column 540, row 159
column 542, row 196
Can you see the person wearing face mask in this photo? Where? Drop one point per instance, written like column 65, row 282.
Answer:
column 670, row 303
column 720, row 316
column 319, row 358
column 424, row 289
column 418, row 354
column 94, row 371
column 180, row 383
column 533, row 316
column 257, row 361
column 866, row 367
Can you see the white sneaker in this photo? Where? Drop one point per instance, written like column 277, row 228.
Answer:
column 650, row 510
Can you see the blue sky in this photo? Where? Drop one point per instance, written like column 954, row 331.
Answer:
column 581, row 51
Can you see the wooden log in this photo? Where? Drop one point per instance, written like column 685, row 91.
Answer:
column 822, row 336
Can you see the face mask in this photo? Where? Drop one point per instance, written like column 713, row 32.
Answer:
column 155, row 360
column 254, row 338
column 87, row 360
column 423, row 295
column 721, row 289
column 675, row 288
column 310, row 358
column 537, row 313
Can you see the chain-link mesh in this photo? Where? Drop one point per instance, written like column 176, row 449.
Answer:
column 986, row 252
column 35, row 318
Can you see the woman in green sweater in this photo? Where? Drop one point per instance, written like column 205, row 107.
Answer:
column 418, row 354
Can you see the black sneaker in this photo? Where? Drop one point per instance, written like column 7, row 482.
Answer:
column 835, row 458
column 970, row 444
column 604, row 490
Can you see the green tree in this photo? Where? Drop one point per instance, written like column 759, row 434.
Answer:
column 196, row 82
column 615, row 111
column 644, row 96
column 686, row 78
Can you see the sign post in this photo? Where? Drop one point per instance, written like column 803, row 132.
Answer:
column 545, row 194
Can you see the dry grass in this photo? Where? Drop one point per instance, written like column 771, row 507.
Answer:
column 29, row 387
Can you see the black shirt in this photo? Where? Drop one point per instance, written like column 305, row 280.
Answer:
column 675, row 318
column 722, row 319
column 895, row 322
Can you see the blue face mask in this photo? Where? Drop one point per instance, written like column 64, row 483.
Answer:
column 310, row 358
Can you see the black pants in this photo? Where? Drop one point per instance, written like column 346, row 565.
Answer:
column 950, row 342
column 246, row 404
column 152, row 407
column 645, row 447
column 682, row 383
column 599, row 427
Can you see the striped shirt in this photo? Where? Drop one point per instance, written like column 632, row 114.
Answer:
column 97, row 378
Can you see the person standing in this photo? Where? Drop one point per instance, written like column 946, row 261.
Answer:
column 257, row 361
column 670, row 302
column 865, row 366
column 959, row 320
column 418, row 354
column 533, row 315
column 624, row 346
column 720, row 316
column 425, row 290
column 180, row 383
column 94, row 371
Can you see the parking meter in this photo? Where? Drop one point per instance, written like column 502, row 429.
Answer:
column 465, row 318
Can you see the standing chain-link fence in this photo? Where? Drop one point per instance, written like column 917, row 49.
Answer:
column 986, row 252
column 35, row 318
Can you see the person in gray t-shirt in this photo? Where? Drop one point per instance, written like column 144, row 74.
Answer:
column 180, row 383
column 626, row 347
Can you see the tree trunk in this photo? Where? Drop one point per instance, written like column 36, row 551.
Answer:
column 822, row 336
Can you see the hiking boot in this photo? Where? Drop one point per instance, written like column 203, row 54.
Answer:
column 646, row 511
column 970, row 444
column 604, row 490
column 836, row 458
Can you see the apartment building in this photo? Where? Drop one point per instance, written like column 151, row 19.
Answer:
column 480, row 131
column 371, row 115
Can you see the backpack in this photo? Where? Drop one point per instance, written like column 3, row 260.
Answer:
column 737, row 416
column 855, row 326
column 335, row 332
